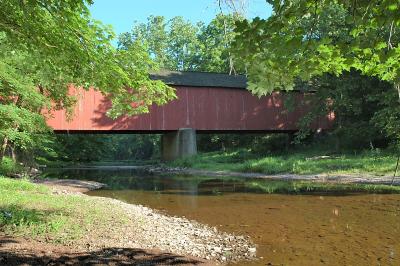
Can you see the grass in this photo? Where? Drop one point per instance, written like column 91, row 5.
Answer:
column 31, row 210
column 300, row 162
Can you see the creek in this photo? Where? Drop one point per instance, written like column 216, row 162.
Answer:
column 300, row 229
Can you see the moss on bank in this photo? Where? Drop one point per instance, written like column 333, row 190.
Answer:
column 31, row 210
column 307, row 162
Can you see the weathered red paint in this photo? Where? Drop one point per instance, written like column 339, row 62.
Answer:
column 201, row 108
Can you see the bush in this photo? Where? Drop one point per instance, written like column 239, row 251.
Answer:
column 8, row 166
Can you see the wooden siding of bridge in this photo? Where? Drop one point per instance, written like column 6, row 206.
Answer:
column 201, row 108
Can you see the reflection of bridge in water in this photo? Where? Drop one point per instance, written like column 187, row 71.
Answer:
column 140, row 179
column 207, row 102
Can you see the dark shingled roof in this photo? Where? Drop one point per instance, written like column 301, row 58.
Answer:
column 200, row 79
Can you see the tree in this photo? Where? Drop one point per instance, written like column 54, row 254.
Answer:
column 356, row 100
column 179, row 45
column 153, row 36
column 100, row 147
column 173, row 44
column 304, row 39
column 289, row 44
column 47, row 46
column 216, row 39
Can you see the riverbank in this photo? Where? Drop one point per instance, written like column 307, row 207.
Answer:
column 307, row 162
column 53, row 215
column 256, row 182
column 318, row 178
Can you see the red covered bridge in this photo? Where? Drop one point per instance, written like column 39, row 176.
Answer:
column 207, row 102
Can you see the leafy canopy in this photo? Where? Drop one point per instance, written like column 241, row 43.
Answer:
column 177, row 44
column 293, row 44
column 45, row 47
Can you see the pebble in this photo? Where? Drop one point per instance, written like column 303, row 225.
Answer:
column 252, row 250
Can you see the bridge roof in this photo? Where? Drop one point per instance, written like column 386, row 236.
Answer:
column 200, row 79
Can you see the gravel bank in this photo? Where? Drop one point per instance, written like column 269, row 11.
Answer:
column 145, row 228
column 151, row 229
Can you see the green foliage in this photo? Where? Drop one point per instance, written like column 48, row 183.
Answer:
column 387, row 119
column 356, row 101
column 355, row 43
column 8, row 166
column 81, row 147
column 306, row 38
column 215, row 42
column 179, row 45
column 45, row 46
column 64, row 45
column 19, row 125
column 100, row 147
column 134, row 147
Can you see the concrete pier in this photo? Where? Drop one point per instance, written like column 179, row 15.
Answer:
column 179, row 144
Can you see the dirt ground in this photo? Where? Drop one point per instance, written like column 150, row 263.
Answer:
column 19, row 251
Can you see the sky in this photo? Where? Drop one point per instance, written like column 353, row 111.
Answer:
column 121, row 14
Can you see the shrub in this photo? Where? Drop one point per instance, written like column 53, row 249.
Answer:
column 8, row 166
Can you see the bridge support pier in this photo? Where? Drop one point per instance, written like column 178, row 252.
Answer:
column 178, row 144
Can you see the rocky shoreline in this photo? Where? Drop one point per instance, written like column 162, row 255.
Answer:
column 178, row 235
column 150, row 229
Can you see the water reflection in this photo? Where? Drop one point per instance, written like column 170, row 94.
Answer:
column 134, row 179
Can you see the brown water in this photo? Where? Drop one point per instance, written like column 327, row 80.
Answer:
column 288, row 229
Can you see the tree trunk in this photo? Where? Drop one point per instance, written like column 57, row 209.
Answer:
column 13, row 154
column 3, row 148
column 397, row 87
